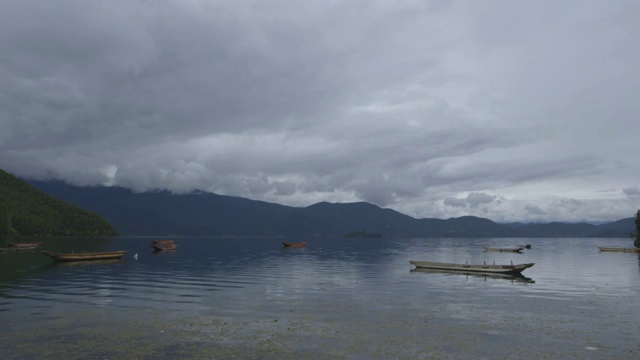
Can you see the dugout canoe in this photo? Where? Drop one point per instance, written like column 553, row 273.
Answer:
column 85, row 256
column 619, row 249
column 485, row 268
column 164, row 246
column 18, row 248
column 298, row 244
column 162, row 241
column 515, row 249
column 24, row 245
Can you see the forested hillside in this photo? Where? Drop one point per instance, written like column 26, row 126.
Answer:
column 25, row 210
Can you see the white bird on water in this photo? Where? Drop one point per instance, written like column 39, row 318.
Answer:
column 135, row 256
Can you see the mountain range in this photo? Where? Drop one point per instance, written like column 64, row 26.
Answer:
column 201, row 213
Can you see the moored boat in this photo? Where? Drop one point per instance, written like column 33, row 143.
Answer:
column 619, row 249
column 363, row 234
column 486, row 268
column 18, row 248
column 24, row 245
column 294, row 244
column 162, row 241
column 515, row 249
column 163, row 245
column 85, row 256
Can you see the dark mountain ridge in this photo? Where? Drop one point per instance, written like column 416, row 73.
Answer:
column 206, row 214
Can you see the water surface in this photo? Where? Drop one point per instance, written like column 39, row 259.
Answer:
column 338, row 298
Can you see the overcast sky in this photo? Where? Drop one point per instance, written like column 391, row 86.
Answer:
column 509, row 110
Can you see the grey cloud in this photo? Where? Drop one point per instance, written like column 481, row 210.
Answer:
column 476, row 199
column 632, row 192
column 455, row 202
column 535, row 210
column 472, row 201
column 401, row 104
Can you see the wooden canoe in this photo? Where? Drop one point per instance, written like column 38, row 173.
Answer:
column 485, row 268
column 162, row 241
column 294, row 244
column 18, row 248
column 515, row 249
column 24, row 245
column 85, row 256
column 618, row 249
column 164, row 246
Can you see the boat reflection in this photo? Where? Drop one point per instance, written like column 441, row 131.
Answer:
column 66, row 264
column 513, row 277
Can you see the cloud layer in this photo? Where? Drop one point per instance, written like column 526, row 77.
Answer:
column 515, row 111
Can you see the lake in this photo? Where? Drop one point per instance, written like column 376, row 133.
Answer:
column 338, row 298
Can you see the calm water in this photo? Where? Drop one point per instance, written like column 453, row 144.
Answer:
column 336, row 299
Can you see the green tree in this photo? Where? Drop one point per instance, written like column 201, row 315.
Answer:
column 24, row 210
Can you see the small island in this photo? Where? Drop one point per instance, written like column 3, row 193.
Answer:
column 362, row 234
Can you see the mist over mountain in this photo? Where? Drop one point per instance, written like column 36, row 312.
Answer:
column 207, row 214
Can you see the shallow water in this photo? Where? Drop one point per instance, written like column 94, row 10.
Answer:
column 336, row 299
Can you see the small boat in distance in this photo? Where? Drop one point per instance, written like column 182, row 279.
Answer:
column 162, row 241
column 618, row 249
column 85, row 256
column 18, row 248
column 363, row 234
column 484, row 268
column 515, row 249
column 527, row 246
column 294, row 244
column 163, row 245
column 24, row 245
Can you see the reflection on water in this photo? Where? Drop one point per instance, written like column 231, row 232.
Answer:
column 86, row 263
column 485, row 276
column 358, row 297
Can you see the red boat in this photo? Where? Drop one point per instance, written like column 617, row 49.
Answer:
column 163, row 245
column 294, row 244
